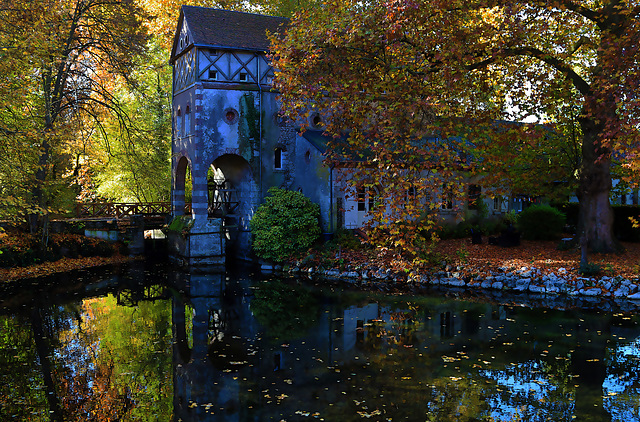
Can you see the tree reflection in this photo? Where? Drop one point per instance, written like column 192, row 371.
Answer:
column 89, row 362
column 209, row 353
column 287, row 312
column 118, row 365
column 622, row 385
column 26, row 399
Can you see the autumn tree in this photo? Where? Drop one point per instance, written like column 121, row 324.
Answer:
column 394, row 73
column 129, row 155
column 59, row 60
column 130, row 160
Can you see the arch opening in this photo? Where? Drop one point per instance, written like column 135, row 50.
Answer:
column 183, row 187
column 228, row 181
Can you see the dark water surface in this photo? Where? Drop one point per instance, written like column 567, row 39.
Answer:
column 150, row 343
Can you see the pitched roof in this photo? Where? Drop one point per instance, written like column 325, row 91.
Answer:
column 227, row 29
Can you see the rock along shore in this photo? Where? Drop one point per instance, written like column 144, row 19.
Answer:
column 525, row 280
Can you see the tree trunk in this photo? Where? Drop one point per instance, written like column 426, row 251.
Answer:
column 596, row 214
column 40, row 220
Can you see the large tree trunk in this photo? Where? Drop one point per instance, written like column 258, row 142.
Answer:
column 596, row 214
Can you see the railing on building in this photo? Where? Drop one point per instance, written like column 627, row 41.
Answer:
column 223, row 199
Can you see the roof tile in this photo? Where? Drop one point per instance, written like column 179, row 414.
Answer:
column 228, row 29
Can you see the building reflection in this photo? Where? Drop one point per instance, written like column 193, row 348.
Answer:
column 213, row 334
column 230, row 365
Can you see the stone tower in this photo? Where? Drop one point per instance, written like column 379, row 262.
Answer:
column 228, row 143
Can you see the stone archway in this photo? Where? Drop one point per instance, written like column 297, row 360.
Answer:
column 232, row 195
column 182, row 187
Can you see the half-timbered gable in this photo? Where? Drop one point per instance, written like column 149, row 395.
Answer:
column 221, row 46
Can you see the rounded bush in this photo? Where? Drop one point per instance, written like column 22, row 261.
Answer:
column 286, row 223
column 541, row 222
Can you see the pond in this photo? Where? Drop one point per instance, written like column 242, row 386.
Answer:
column 146, row 342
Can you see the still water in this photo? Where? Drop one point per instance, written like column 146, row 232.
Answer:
column 150, row 343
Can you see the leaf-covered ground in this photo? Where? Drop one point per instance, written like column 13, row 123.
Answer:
column 472, row 259
column 60, row 266
column 18, row 241
column 463, row 256
column 543, row 255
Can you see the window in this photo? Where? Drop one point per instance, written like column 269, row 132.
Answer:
column 277, row 159
column 243, row 77
column 497, row 203
column 178, row 123
column 361, row 199
column 474, row 196
column 213, row 74
column 315, row 121
column 411, row 197
column 187, row 121
column 367, row 198
column 447, row 197
column 373, row 198
column 231, row 116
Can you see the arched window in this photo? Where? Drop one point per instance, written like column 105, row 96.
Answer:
column 187, row 121
column 178, row 123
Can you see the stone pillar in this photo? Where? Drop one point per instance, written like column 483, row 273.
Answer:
column 135, row 235
column 207, row 242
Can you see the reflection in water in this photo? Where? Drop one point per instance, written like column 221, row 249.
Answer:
column 142, row 345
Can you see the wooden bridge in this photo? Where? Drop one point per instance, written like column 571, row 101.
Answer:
column 120, row 209
column 154, row 213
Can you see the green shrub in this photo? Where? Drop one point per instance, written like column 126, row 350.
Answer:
column 181, row 223
column 510, row 218
column 285, row 224
column 541, row 222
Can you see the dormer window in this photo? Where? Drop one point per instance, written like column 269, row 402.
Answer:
column 213, row 74
column 316, row 121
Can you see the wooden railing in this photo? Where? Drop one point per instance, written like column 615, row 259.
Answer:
column 122, row 209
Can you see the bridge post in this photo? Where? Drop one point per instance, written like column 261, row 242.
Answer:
column 135, row 235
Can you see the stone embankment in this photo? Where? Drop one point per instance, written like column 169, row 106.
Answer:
column 523, row 280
